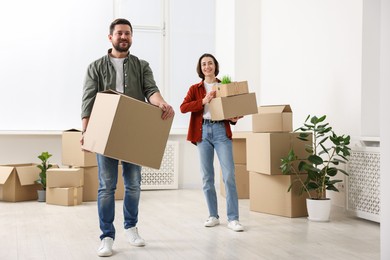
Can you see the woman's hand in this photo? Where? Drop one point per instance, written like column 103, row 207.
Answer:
column 209, row 96
column 235, row 119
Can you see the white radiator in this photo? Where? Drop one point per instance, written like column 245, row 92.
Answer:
column 363, row 183
column 167, row 176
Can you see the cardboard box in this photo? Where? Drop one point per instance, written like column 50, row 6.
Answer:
column 239, row 151
column 120, row 186
column 265, row 151
column 276, row 118
column 228, row 107
column 91, row 184
column 71, row 196
column 268, row 194
column 127, row 129
column 239, row 147
column 17, row 182
column 72, row 154
column 231, row 89
column 64, row 177
column 242, row 182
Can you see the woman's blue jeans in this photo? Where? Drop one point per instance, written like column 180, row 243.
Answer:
column 108, row 178
column 214, row 137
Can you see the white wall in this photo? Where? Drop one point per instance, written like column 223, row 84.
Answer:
column 370, row 122
column 311, row 58
column 21, row 149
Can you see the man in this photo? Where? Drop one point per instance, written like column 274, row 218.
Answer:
column 124, row 73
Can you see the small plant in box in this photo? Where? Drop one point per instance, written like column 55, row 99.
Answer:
column 226, row 79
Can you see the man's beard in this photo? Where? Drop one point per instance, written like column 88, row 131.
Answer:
column 118, row 47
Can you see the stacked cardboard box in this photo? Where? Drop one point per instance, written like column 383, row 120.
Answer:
column 270, row 140
column 64, row 186
column 74, row 157
column 241, row 173
column 232, row 100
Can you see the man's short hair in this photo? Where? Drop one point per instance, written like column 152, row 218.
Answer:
column 120, row 21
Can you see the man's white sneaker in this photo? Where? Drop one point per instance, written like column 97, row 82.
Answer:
column 133, row 237
column 211, row 222
column 105, row 248
column 235, row 226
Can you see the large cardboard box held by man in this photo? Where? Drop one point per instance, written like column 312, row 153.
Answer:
column 269, row 194
column 72, row 154
column 228, row 107
column 127, row 129
column 275, row 118
column 17, row 182
column 265, row 150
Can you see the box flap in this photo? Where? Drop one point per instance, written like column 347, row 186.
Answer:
column 5, row 172
column 274, row 109
column 28, row 174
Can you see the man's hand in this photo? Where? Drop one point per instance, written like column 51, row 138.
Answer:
column 167, row 111
column 157, row 100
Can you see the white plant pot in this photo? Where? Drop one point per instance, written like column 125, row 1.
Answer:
column 318, row 210
column 41, row 195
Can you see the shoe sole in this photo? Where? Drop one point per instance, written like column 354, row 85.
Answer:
column 236, row 230
column 137, row 244
column 104, row 254
column 211, row 225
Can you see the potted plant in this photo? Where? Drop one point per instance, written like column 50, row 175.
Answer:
column 325, row 152
column 44, row 166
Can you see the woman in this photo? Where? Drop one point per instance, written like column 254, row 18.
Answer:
column 209, row 135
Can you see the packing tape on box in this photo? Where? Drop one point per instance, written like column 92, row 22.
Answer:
column 75, row 196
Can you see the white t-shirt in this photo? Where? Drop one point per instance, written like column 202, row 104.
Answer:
column 209, row 87
column 118, row 64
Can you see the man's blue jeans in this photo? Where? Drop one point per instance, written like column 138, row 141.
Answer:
column 214, row 137
column 108, row 178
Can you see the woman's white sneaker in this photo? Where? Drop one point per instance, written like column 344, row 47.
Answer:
column 211, row 222
column 105, row 248
column 235, row 226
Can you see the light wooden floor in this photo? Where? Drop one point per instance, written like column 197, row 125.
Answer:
column 171, row 222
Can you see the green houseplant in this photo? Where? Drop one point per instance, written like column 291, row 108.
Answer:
column 226, row 79
column 43, row 166
column 325, row 153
